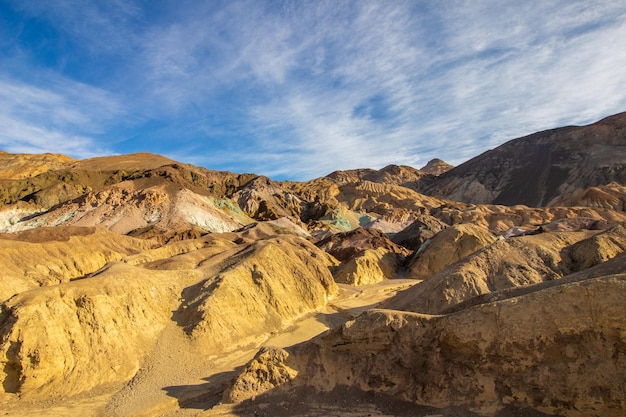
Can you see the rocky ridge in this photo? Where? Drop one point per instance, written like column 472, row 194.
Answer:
column 433, row 305
column 436, row 167
column 514, row 354
column 555, row 162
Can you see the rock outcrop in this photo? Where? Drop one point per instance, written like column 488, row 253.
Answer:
column 436, row 167
column 403, row 175
column 611, row 196
column 447, row 247
column 424, row 228
column 369, row 267
column 74, row 337
column 557, row 350
column 261, row 287
column 50, row 256
column 346, row 245
column 367, row 256
column 510, row 263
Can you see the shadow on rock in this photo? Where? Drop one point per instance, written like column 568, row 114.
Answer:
column 343, row 401
column 202, row 396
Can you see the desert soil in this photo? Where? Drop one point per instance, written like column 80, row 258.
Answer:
column 194, row 385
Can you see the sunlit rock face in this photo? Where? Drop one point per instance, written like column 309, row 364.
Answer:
column 529, row 351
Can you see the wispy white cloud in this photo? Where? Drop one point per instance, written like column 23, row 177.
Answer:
column 298, row 89
column 563, row 68
column 22, row 137
column 495, row 74
column 64, row 118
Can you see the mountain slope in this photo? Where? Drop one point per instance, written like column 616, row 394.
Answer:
column 538, row 168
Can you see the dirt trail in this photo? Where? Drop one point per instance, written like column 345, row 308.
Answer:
column 174, row 361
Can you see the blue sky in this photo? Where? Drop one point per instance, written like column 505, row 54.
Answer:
column 297, row 89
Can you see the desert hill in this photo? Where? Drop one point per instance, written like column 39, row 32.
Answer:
column 18, row 166
column 436, row 167
column 135, row 285
column 391, row 174
column 160, row 196
column 536, row 169
column 505, row 264
column 406, row 176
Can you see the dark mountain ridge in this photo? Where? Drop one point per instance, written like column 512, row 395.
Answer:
column 536, row 169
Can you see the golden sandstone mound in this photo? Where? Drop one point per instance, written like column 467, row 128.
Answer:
column 262, row 287
column 368, row 256
column 611, row 196
column 556, row 350
column 94, row 333
column 504, row 264
column 50, row 256
column 368, row 267
column 446, row 247
column 597, row 249
column 77, row 336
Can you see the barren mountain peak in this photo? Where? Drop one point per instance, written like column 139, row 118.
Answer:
column 141, row 160
column 535, row 169
column 436, row 166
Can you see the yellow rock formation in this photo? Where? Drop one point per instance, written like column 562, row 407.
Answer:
column 557, row 350
column 95, row 332
column 448, row 246
column 368, row 267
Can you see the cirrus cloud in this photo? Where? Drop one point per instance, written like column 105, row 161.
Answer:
column 297, row 89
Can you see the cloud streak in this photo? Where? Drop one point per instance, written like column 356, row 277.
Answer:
column 297, row 89
column 60, row 120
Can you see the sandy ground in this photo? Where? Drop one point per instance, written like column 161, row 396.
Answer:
column 179, row 379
